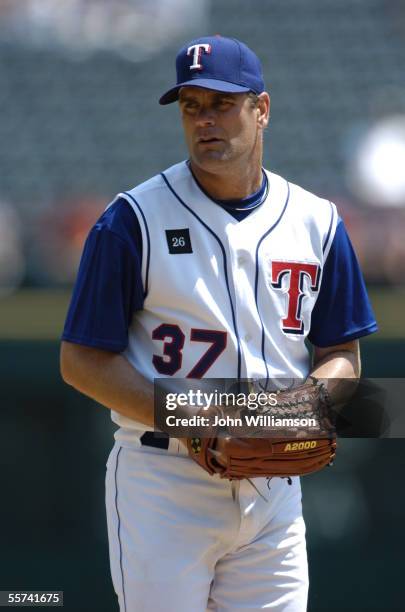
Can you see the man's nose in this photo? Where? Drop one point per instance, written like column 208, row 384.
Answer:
column 206, row 116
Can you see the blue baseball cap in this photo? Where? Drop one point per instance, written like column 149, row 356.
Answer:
column 218, row 63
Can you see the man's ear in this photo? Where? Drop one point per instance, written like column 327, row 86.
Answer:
column 263, row 109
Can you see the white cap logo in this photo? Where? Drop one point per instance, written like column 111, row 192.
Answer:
column 197, row 51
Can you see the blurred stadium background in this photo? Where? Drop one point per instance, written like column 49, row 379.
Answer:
column 79, row 122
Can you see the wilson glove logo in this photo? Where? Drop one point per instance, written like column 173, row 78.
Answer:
column 298, row 446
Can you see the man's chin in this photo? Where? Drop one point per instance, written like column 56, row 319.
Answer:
column 211, row 160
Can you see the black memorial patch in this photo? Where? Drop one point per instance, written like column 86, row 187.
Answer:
column 178, row 241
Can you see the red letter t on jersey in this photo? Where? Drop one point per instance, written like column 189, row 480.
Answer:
column 296, row 272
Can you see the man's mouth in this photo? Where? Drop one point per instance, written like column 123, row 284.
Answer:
column 208, row 139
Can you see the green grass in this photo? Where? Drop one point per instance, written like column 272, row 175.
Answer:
column 40, row 314
column 33, row 314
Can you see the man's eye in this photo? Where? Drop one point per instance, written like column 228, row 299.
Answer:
column 190, row 105
column 224, row 103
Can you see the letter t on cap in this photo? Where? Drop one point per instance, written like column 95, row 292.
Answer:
column 197, row 51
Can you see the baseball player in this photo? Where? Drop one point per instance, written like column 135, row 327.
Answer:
column 214, row 268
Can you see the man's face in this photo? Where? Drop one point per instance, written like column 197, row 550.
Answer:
column 220, row 128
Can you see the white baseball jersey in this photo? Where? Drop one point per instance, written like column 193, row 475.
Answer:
column 224, row 298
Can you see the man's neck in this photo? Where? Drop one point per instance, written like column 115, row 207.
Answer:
column 232, row 186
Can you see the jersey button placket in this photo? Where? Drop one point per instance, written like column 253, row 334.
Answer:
column 243, row 269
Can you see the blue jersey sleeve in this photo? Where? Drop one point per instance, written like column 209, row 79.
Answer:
column 108, row 288
column 342, row 311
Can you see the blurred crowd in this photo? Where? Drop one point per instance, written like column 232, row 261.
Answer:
column 47, row 252
column 132, row 28
column 80, row 122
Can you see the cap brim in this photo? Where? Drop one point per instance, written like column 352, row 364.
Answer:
column 173, row 94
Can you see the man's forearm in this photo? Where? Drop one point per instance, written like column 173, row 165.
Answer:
column 109, row 379
column 340, row 371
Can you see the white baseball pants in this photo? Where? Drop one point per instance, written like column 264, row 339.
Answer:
column 183, row 541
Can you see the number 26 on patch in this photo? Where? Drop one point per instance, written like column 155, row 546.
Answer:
column 178, row 242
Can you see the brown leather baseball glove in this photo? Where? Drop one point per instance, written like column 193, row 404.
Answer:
column 292, row 438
